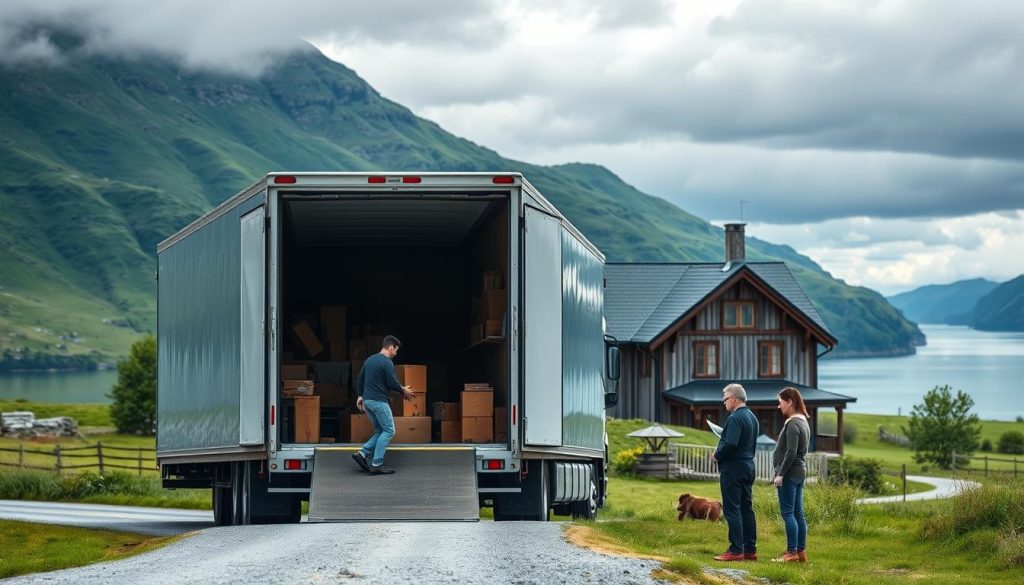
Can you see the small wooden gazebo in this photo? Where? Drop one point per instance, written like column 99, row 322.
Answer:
column 655, row 463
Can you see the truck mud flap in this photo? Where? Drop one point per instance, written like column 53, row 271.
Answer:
column 429, row 484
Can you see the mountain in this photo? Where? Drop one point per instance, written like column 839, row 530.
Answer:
column 951, row 304
column 1002, row 309
column 104, row 157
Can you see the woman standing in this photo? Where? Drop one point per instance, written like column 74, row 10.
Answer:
column 790, row 472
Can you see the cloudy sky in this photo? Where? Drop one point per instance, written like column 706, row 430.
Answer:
column 885, row 139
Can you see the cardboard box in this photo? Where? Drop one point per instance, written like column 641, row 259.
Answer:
column 308, row 339
column 447, row 411
column 413, row 376
column 294, row 371
column 491, row 280
column 477, row 429
column 415, row 407
column 298, row 387
column 360, row 429
column 451, row 431
column 492, row 328
column 327, row 439
column 494, row 304
column 477, row 404
column 357, row 350
column 307, row 419
column 333, row 395
column 412, row 429
column 500, row 424
column 333, row 320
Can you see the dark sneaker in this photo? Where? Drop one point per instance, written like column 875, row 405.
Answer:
column 381, row 469
column 359, row 458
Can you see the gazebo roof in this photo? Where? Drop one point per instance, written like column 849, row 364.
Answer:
column 655, row 432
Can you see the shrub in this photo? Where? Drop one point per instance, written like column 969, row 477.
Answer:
column 1020, row 418
column 849, row 433
column 1012, row 443
column 28, row 484
column 133, row 406
column 624, row 462
column 941, row 425
column 986, row 446
column 862, row 474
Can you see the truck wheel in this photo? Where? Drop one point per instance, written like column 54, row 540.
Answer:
column 543, row 501
column 222, row 503
column 587, row 509
column 241, row 511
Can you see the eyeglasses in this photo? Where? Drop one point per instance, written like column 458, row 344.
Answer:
column 726, row 399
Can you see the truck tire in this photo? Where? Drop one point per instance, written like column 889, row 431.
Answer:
column 587, row 509
column 222, row 505
column 543, row 495
column 240, row 493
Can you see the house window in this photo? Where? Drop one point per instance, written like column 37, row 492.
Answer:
column 738, row 315
column 705, row 359
column 770, row 362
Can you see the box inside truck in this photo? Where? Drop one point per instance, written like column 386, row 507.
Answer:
column 432, row 271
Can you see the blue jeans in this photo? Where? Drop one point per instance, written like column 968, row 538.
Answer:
column 791, row 504
column 737, row 482
column 383, row 429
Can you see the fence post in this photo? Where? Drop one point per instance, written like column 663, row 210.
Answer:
column 1014, row 468
column 903, row 474
column 952, row 465
column 99, row 455
column 21, row 454
column 986, row 465
column 140, row 462
column 56, row 451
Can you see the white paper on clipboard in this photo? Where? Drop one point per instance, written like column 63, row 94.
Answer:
column 715, row 428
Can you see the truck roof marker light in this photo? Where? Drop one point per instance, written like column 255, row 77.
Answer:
column 412, row 180
column 504, row 180
column 376, row 179
column 284, row 180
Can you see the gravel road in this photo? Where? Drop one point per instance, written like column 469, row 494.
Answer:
column 519, row 553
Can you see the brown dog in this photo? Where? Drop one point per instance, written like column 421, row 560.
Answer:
column 699, row 508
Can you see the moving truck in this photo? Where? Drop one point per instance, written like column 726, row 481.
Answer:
column 269, row 303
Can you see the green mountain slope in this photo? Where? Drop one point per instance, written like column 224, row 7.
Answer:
column 1002, row 309
column 943, row 303
column 103, row 158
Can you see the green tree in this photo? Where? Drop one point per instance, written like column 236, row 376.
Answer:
column 1011, row 442
column 941, row 425
column 134, row 396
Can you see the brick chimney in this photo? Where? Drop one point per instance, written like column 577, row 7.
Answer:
column 735, row 245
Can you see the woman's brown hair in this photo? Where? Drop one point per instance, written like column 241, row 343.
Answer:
column 793, row 395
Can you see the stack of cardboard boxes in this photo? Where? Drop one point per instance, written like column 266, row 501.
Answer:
column 477, row 413
column 488, row 310
column 412, row 424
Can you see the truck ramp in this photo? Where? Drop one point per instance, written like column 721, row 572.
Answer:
column 429, row 483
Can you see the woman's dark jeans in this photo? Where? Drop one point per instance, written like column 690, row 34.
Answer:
column 791, row 504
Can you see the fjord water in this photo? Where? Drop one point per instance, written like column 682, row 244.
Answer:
column 987, row 365
column 75, row 387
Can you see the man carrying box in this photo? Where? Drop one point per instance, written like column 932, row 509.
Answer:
column 376, row 379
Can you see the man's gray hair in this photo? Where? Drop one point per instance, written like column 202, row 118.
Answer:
column 736, row 391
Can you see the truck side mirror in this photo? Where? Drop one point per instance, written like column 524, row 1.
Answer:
column 612, row 367
column 613, row 362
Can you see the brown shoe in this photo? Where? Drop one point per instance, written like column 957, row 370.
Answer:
column 730, row 556
column 787, row 557
column 802, row 555
column 750, row 556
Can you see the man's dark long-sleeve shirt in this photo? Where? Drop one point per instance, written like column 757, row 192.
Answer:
column 739, row 437
column 377, row 378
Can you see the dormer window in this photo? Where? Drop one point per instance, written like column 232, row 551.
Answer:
column 738, row 315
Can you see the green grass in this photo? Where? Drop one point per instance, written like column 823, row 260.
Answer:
column 847, row 543
column 32, row 548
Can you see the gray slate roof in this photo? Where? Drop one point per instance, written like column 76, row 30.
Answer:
column 759, row 392
column 642, row 300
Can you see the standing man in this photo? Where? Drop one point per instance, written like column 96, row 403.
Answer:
column 376, row 379
column 735, row 457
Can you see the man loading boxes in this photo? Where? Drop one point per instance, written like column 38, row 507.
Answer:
column 375, row 380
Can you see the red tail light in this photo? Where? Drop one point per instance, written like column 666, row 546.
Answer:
column 272, row 412
column 293, row 464
column 412, row 180
column 284, row 180
column 504, row 180
column 493, row 464
column 377, row 180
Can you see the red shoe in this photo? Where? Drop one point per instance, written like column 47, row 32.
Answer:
column 802, row 555
column 730, row 556
column 787, row 557
column 750, row 556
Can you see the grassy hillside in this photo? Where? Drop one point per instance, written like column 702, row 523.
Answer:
column 951, row 304
column 103, row 158
column 1002, row 309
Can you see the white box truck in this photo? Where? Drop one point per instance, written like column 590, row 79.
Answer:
column 414, row 255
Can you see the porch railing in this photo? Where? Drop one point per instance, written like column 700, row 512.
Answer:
column 694, row 462
column 826, row 443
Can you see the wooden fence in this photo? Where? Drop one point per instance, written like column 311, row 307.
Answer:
column 695, row 462
column 966, row 463
column 104, row 457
